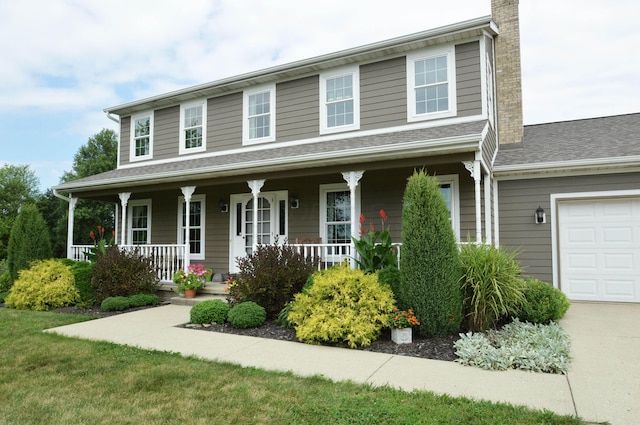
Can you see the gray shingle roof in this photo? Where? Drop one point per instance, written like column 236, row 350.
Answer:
column 426, row 141
column 605, row 138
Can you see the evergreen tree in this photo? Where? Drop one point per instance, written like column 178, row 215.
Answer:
column 430, row 269
column 29, row 240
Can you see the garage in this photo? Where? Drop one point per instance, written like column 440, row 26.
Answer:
column 599, row 249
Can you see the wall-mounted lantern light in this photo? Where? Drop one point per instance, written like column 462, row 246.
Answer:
column 224, row 207
column 540, row 216
column 294, row 202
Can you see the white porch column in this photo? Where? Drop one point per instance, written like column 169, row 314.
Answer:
column 72, row 207
column 124, row 200
column 474, row 169
column 255, row 186
column 487, row 209
column 187, row 192
column 353, row 178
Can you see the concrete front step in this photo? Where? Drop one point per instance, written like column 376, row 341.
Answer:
column 213, row 290
column 178, row 300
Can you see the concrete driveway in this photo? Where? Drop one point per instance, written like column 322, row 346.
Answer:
column 605, row 371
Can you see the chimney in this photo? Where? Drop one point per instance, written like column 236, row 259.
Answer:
column 508, row 71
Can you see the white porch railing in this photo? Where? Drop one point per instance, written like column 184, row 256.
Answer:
column 328, row 255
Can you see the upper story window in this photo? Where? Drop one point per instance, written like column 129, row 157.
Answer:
column 431, row 84
column 340, row 100
column 259, row 115
column 141, row 140
column 193, row 127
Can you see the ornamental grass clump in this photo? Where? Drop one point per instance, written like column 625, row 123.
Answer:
column 342, row 305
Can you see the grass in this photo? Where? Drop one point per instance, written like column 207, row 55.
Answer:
column 57, row 380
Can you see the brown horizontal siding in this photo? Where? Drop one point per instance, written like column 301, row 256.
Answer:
column 224, row 122
column 518, row 200
column 125, row 140
column 383, row 94
column 468, row 82
column 297, row 109
column 166, row 131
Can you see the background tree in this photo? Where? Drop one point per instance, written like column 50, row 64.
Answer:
column 430, row 263
column 97, row 156
column 18, row 186
column 29, row 240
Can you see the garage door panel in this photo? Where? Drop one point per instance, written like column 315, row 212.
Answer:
column 599, row 249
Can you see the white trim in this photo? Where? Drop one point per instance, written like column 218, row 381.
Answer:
column 579, row 167
column 449, row 52
column 496, row 213
column 336, row 187
column 182, row 149
column 138, row 203
column 555, row 198
column 132, row 137
column 203, row 215
column 454, row 181
column 271, row 89
column 354, row 71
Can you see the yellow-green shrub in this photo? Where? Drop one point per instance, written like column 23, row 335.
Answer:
column 48, row 283
column 342, row 305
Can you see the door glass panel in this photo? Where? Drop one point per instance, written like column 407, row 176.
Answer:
column 264, row 224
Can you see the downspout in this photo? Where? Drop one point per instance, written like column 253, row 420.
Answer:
column 72, row 206
column 111, row 117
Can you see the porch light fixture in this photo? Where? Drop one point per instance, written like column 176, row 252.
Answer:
column 294, row 202
column 224, row 207
column 540, row 216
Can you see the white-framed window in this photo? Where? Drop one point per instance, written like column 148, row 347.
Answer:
column 139, row 222
column 196, row 225
column 193, row 127
column 431, row 84
column 335, row 213
column 449, row 187
column 259, row 115
column 141, row 140
column 340, row 100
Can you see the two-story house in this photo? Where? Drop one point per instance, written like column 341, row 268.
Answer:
column 297, row 152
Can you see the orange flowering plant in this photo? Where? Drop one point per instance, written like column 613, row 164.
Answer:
column 402, row 319
column 100, row 243
column 375, row 249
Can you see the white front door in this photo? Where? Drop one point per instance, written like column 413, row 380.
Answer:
column 272, row 222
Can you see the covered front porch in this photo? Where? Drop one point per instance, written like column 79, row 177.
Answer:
column 315, row 210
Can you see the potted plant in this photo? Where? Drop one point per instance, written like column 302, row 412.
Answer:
column 189, row 282
column 401, row 323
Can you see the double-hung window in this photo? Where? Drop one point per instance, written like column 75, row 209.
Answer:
column 431, row 84
column 193, row 127
column 259, row 114
column 196, row 219
column 141, row 139
column 139, row 222
column 340, row 100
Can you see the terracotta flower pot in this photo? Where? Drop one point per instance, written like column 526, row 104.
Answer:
column 189, row 293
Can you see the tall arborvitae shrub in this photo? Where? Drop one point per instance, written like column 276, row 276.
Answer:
column 28, row 241
column 429, row 263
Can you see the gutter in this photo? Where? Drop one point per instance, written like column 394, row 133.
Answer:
column 58, row 195
column 112, row 118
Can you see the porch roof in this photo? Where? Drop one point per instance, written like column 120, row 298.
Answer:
column 573, row 146
column 440, row 140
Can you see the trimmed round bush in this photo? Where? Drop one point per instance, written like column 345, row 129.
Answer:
column 247, row 315
column 140, row 300
column 47, row 284
column 342, row 305
column 210, row 311
column 115, row 304
column 543, row 303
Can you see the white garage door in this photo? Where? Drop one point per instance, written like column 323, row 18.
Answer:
column 599, row 246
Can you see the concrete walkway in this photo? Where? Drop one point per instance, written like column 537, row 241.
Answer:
column 603, row 383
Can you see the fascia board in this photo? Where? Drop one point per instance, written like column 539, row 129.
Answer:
column 575, row 167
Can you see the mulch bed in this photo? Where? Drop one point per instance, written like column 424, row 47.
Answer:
column 428, row 348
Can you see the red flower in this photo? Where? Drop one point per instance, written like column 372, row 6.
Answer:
column 363, row 231
column 92, row 235
column 383, row 215
column 362, row 218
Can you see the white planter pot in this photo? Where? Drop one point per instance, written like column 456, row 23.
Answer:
column 401, row 336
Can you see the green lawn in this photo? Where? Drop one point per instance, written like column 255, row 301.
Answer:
column 51, row 379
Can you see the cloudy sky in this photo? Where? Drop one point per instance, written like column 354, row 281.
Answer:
column 63, row 61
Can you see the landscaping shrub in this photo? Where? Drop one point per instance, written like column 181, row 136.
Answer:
column 374, row 247
column 120, row 272
column 140, row 300
column 272, row 275
column 283, row 317
column 28, row 241
column 82, row 273
column 518, row 345
column 342, row 305
column 5, row 276
column 47, row 284
column 3, row 295
column 430, row 268
column 490, row 283
column 543, row 303
column 115, row 304
column 247, row 315
column 210, row 311
column 390, row 276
